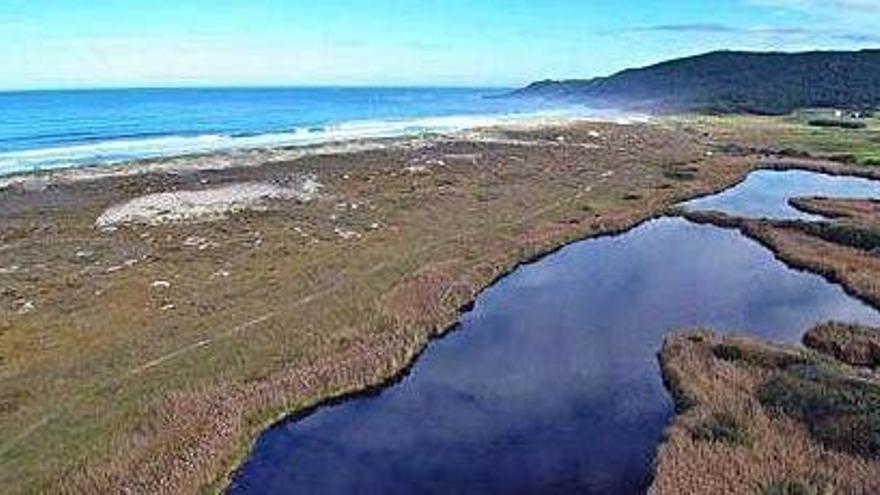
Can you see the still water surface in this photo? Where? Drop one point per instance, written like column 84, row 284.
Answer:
column 765, row 193
column 551, row 384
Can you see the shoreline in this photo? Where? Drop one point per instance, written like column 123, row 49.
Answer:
column 752, row 229
column 254, row 155
column 373, row 390
column 389, row 299
column 810, row 247
column 189, row 163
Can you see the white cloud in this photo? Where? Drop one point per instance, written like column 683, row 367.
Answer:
column 779, row 32
column 845, row 21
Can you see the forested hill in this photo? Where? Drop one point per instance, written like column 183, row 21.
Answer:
column 727, row 81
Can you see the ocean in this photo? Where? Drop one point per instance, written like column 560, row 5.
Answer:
column 45, row 130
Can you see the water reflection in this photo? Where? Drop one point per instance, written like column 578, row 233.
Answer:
column 552, row 383
column 765, row 194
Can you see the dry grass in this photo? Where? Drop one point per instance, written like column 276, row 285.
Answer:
column 852, row 344
column 766, row 441
column 827, row 249
column 111, row 381
column 793, row 421
column 865, row 212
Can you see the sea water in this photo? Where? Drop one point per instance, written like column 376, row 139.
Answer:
column 42, row 130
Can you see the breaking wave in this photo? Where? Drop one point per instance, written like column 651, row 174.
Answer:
column 118, row 150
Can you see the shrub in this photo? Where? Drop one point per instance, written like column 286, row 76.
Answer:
column 843, row 124
column 847, row 235
column 793, row 153
column 790, row 487
column 722, row 428
column 846, row 158
column 681, row 173
column 842, row 414
column 854, row 345
column 755, row 355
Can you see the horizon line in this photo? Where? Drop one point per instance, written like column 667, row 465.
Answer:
column 209, row 86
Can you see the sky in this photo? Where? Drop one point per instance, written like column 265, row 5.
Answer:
column 136, row 43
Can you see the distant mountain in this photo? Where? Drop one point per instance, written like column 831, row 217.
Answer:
column 728, row 81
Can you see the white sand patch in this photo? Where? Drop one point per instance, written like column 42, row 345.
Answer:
column 25, row 306
column 346, row 234
column 204, row 205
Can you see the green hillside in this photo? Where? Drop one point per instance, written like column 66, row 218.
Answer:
column 727, row 81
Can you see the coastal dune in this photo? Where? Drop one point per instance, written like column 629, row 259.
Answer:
column 205, row 205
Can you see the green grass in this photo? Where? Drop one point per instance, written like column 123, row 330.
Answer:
column 723, row 428
column 840, row 412
column 854, row 144
column 795, row 136
column 816, row 486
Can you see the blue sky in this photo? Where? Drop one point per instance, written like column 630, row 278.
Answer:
column 100, row 43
